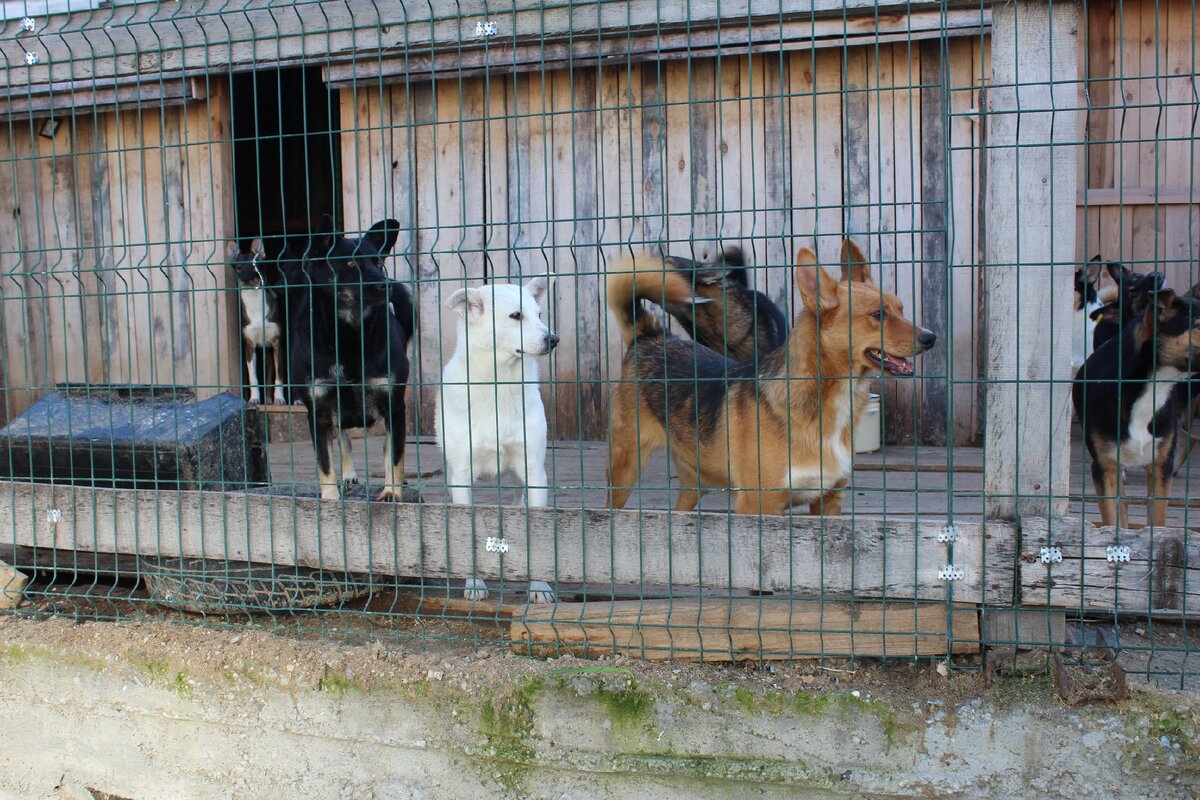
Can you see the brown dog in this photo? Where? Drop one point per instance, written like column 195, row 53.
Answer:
column 775, row 433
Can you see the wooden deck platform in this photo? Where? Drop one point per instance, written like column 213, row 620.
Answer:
column 895, row 481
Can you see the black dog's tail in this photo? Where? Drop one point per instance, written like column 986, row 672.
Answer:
column 644, row 277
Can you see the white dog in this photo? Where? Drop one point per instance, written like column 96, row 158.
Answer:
column 490, row 417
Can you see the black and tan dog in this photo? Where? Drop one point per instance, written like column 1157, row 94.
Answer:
column 776, row 432
column 723, row 313
column 1130, row 394
column 349, row 352
column 1123, row 302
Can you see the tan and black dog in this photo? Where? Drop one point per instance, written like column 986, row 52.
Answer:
column 775, row 433
column 1129, row 396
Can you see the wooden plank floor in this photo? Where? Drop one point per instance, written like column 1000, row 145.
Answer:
column 926, row 481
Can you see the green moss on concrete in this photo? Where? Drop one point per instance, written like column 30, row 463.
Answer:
column 628, row 707
column 337, row 683
column 507, row 727
column 157, row 669
column 17, row 654
column 726, row 769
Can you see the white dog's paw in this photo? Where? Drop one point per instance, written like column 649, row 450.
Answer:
column 279, row 400
column 541, row 592
column 475, row 589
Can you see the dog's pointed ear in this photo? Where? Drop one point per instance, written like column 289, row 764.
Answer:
column 383, row 235
column 322, row 238
column 539, row 287
column 854, row 263
column 817, row 289
column 1092, row 270
column 257, row 248
column 466, row 302
column 1115, row 270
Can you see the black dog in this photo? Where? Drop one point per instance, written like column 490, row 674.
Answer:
column 349, row 354
column 1122, row 304
column 727, row 316
column 1129, row 396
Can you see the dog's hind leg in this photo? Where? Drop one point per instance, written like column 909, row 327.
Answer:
column 1107, row 482
column 537, row 488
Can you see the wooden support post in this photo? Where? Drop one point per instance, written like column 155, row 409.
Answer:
column 1031, row 167
column 935, row 266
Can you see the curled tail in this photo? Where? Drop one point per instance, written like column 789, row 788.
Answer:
column 644, row 277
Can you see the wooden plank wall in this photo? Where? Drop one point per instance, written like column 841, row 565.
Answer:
column 1140, row 171
column 516, row 174
column 114, row 241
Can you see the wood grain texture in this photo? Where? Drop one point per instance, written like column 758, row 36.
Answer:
column 835, row 557
column 202, row 36
column 716, row 630
column 1162, row 577
column 1030, row 256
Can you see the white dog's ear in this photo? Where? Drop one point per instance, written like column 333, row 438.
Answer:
column 538, row 286
column 466, row 301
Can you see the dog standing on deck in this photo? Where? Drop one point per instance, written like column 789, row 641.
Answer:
column 774, row 433
column 349, row 351
column 262, row 315
column 1129, row 396
column 490, row 418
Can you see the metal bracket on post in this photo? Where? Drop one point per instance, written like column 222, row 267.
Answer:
column 948, row 534
column 496, row 544
column 485, row 29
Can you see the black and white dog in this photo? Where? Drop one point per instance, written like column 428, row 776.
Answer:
column 349, row 350
column 262, row 301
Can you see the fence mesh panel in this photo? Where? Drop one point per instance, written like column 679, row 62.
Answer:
column 356, row 319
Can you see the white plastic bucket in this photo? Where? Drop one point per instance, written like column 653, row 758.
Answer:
column 868, row 431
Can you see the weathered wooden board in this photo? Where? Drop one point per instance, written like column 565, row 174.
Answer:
column 120, row 231
column 831, row 557
column 202, row 36
column 731, row 40
column 1030, row 256
column 563, row 171
column 715, row 629
column 1161, row 578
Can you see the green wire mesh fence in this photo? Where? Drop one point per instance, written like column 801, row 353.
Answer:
column 358, row 318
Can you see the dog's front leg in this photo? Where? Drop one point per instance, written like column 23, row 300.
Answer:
column 324, row 434
column 393, row 455
column 252, row 374
column 347, row 475
column 537, row 488
column 279, row 401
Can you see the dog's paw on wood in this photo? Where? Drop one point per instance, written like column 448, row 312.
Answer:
column 541, row 592
column 399, row 494
column 475, row 589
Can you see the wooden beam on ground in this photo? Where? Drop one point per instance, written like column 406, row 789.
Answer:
column 1161, row 577
column 829, row 557
column 1032, row 135
column 745, row 629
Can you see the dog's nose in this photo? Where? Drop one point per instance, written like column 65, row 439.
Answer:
column 552, row 340
column 927, row 339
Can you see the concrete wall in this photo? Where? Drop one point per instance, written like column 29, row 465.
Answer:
column 154, row 711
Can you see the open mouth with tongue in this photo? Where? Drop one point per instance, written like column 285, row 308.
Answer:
column 895, row 365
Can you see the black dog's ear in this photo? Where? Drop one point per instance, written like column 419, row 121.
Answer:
column 1164, row 302
column 1091, row 270
column 1109, row 312
column 383, row 235
column 322, row 239
column 1115, row 270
